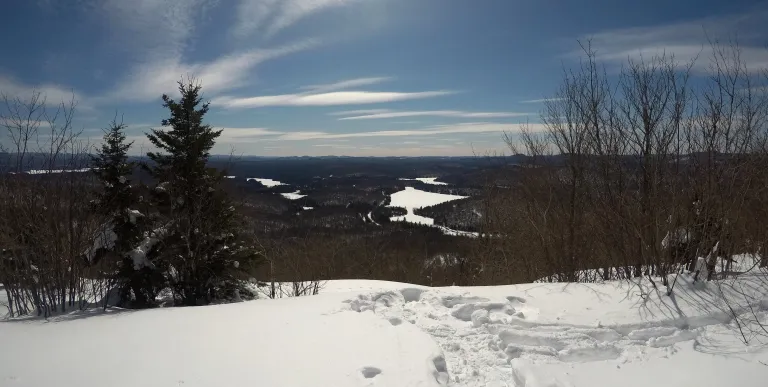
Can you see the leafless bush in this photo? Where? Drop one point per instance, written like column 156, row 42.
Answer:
column 635, row 175
column 46, row 222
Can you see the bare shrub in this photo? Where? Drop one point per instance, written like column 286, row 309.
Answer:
column 46, row 221
column 635, row 175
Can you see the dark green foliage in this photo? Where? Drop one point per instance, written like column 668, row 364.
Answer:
column 201, row 245
column 118, row 202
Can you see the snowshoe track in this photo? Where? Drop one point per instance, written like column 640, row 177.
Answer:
column 482, row 340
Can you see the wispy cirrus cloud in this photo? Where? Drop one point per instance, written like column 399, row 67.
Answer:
column 325, row 99
column 54, row 94
column 429, row 113
column 542, row 100
column 148, row 81
column 158, row 34
column 470, row 127
column 154, row 28
column 358, row 112
column 685, row 41
column 345, row 84
column 269, row 17
column 233, row 134
column 331, row 94
column 240, row 133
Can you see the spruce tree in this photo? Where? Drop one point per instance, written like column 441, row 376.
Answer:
column 117, row 202
column 201, row 244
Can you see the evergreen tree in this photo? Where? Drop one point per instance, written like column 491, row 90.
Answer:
column 201, row 243
column 117, row 202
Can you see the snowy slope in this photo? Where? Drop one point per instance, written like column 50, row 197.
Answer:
column 287, row 343
column 375, row 333
column 585, row 335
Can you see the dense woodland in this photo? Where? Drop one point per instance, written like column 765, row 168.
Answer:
column 639, row 173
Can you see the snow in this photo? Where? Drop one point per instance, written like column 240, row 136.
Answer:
column 306, row 341
column 139, row 254
column 411, row 198
column 266, row 182
column 426, row 180
column 46, row 171
column 134, row 214
column 105, row 239
column 681, row 235
column 293, row 195
column 377, row 333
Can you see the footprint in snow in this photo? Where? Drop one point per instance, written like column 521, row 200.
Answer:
column 370, row 372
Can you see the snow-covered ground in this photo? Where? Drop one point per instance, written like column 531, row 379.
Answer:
column 411, row 198
column 427, row 180
column 375, row 333
column 46, row 171
column 293, row 195
column 266, row 182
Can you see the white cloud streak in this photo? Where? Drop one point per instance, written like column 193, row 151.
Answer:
column 54, row 94
column 472, row 127
column 358, row 112
column 542, row 100
column 269, row 17
column 233, row 135
column 684, row 41
column 147, row 82
column 158, row 33
column 238, row 134
column 325, row 99
column 345, row 84
column 434, row 113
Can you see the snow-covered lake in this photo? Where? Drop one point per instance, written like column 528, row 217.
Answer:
column 266, row 182
column 411, row 198
column 426, row 180
column 293, row 195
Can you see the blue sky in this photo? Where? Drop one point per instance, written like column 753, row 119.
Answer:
column 344, row 77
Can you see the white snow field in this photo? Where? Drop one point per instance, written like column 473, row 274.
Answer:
column 293, row 195
column 46, row 171
column 266, row 182
column 411, row 198
column 385, row 334
column 426, row 180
